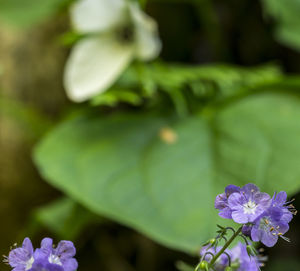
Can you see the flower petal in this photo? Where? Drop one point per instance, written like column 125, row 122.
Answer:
column 93, row 66
column 280, row 198
column 40, row 253
column 27, row 245
column 268, row 239
column 19, row 256
column 148, row 44
column 263, row 199
column 231, row 189
column 47, row 245
column 19, row 268
column 97, row 15
column 226, row 213
column 239, row 217
column 250, row 188
column 65, row 250
column 43, row 264
column 221, row 201
column 287, row 216
column 235, row 200
column 70, row 265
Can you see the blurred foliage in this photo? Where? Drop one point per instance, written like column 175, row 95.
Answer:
column 71, row 216
column 116, row 96
column 28, row 12
column 28, row 118
column 184, row 267
column 286, row 15
column 187, row 86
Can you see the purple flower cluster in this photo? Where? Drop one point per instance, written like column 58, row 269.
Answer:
column 45, row 258
column 238, row 255
column 264, row 218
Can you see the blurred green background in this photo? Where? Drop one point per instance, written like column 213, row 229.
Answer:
column 131, row 176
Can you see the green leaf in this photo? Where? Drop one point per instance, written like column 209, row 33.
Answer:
column 161, row 175
column 27, row 12
column 65, row 218
column 286, row 14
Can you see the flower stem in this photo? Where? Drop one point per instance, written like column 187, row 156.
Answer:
column 213, row 260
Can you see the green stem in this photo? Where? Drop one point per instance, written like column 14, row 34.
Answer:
column 213, row 260
column 197, row 267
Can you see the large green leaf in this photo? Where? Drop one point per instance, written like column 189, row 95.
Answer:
column 164, row 182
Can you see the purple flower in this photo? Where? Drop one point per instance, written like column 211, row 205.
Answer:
column 269, row 226
column 240, row 260
column 42, row 264
column 245, row 262
column 273, row 223
column 62, row 255
column 246, row 230
column 221, row 202
column 248, row 204
column 279, row 201
column 46, row 258
column 21, row 258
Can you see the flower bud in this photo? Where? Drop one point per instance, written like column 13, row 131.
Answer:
column 235, row 265
column 204, row 265
column 212, row 241
column 251, row 251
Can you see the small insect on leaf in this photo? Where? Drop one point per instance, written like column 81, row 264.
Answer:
column 168, row 135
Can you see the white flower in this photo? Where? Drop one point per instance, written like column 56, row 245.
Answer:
column 117, row 31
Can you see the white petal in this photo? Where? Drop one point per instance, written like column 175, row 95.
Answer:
column 97, row 15
column 93, row 66
column 148, row 44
